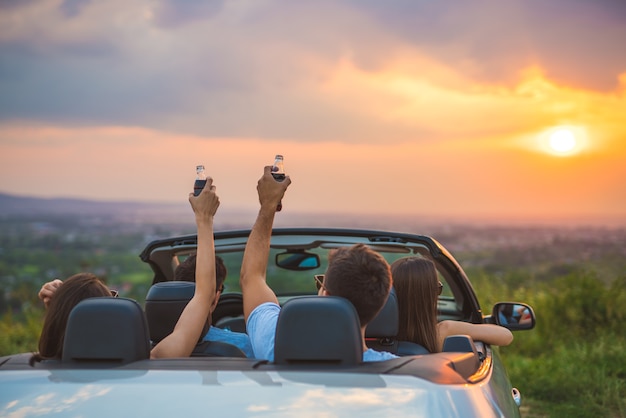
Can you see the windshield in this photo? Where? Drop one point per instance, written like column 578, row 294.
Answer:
column 289, row 282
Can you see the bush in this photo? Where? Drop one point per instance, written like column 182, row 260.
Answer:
column 20, row 336
column 584, row 379
column 572, row 364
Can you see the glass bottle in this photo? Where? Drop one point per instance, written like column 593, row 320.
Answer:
column 278, row 172
column 200, row 180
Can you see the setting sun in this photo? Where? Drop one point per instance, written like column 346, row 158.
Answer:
column 562, row 141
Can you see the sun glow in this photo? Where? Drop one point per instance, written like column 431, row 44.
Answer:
column 562, row 141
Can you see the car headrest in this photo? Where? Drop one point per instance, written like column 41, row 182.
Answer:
column 386, row 323
column 106, row 330
column 164, row 303
column 315, row 329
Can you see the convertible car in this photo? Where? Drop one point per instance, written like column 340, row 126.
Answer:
column 317, row 370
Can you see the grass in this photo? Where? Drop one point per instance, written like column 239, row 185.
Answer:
column 20, row 334
column 582, row 379
column 573, row 364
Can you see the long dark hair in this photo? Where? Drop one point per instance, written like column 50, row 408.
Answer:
column 76, row 288
column 416, row 283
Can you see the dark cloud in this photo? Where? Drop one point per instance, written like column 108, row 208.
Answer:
column 261, row 71
column 83, row 84
column 15, row 4
column 175, row 13
column 72, row 8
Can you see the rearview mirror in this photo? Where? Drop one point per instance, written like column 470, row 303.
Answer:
column 513, row 315
column 298, row 260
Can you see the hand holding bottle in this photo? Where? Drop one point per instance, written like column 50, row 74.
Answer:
column 270, row 190
column 206, row 202
column 278, row 172
column 200, row 180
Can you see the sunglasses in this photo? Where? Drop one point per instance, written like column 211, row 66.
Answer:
column 114, row 293
column 319, row 281
column 439, row 287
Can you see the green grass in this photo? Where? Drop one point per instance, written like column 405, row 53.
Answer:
column 573, row 364
column 20, row 335
column 583, row 379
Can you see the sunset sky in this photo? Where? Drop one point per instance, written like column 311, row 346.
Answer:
column 483, row 109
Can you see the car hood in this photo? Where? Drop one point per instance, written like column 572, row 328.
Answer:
column 172, row 393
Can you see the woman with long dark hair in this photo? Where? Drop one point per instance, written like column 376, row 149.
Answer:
column 417, row 288
column 61, row 297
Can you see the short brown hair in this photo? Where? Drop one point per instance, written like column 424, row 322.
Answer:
column 186, row 271
column 360, row 275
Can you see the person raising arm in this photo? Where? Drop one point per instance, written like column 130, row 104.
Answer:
column 356, row 273
column 186, row 271
column 60, row 297
column 181, row 342
column 256, row 293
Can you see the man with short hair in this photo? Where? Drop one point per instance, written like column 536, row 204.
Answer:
column 186, row 271
column 356, row 273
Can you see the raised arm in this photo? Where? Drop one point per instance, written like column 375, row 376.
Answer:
column 254, row 265
column 181, row 342
column 487, row 333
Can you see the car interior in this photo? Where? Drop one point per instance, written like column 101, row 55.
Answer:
column 312, row 332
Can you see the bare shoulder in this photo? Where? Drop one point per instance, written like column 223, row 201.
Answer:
column 444, row 326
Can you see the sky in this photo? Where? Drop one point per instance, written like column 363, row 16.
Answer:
column 486, row 110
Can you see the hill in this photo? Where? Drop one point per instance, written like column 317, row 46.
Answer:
column 26, row 205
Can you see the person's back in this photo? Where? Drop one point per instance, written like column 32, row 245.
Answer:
column 417, row 289
column 362, row 276
column 186, row 272
column 61, row 297
column 66, row 296
column 357, row 273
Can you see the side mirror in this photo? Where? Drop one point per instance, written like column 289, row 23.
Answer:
column 513, row 315
column 298, row 260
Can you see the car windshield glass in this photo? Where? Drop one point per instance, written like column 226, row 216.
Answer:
column 289, row 282
column 297, row 277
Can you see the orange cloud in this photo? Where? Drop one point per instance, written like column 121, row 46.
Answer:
column 455, row 179
column 454, row 148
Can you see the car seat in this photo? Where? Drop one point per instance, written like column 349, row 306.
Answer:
column 165, row 302
column 318, row 330
column 228, row 313
column 109, row 331
column 381, row 332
